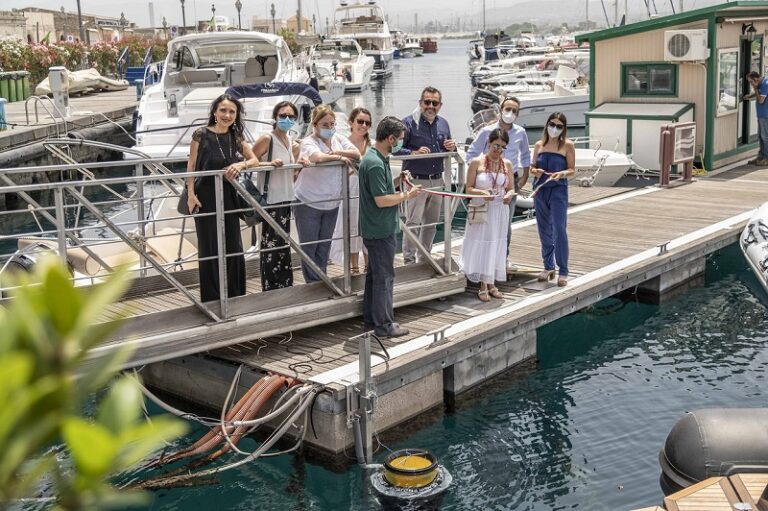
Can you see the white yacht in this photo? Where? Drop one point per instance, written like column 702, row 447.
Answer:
column 567, row 95
column 366, row 24
column 201, row 67
column 345, row 58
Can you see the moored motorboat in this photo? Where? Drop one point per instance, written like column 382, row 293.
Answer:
column 367, row 24
column 199, row 68
column 343, row 57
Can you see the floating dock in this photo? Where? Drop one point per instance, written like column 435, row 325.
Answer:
column 739, row 492
column 652, row 240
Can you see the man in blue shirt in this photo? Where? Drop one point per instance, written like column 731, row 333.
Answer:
column 518, row 152
column 426, row 132
column 760, row 86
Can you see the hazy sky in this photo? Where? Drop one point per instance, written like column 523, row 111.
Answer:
column 400, row 11
column 138, row 10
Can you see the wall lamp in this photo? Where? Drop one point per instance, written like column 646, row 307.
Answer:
column 748, row 31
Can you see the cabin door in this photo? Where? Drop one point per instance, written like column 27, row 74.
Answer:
column 751, row 59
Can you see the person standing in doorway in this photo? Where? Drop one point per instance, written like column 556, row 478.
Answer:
column 517, row 152
column 760, row 86
column 378, row 226
column 426, row 132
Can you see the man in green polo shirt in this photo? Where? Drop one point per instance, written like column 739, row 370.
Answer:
column 378, row 225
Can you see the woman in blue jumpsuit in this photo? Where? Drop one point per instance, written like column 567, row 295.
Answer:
column 554, row 160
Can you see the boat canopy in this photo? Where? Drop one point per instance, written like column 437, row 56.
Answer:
column 264, row 90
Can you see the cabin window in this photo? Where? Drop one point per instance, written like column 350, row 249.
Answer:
column 727, row 80
column 649, row 79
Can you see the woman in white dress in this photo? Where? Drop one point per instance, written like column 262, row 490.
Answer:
column 360, row 123
column 483, row 253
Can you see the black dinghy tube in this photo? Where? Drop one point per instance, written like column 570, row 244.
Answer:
column 714, row 442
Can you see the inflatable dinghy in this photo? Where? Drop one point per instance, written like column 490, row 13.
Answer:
column 81, row 81
column 714, row 442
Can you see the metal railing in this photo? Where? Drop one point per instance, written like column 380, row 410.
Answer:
column 122, row 220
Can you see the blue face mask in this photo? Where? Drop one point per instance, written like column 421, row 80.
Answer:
column 398, row 145
column 285, row 124
column 327, row 132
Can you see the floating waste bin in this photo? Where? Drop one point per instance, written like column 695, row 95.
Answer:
column 22, row 85
column 5, row 83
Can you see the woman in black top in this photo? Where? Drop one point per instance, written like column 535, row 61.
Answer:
column 220, row 145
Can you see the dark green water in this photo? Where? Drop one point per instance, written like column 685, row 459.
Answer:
column 581, row 429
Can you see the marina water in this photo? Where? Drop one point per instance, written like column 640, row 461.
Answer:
column 581, row 429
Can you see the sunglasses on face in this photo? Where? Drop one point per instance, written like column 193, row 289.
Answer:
column 553, row 124
column 363, row 122
column 287, row 116
column 430, row 102
column 498, row 147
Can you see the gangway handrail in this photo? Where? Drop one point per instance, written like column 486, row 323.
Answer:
column 42, row 99
column 135, row 242
column 249, row 136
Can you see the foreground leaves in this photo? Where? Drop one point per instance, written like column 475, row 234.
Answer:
column 48, row 326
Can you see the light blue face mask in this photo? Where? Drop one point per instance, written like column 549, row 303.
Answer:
column 285, row 124
column 398, row 145
column 327, row 132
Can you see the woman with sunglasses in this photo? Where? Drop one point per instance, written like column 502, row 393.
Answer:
column 484, row 251
column 276, row 149
column 319, row 188
column 360, row 124
column 554, row 160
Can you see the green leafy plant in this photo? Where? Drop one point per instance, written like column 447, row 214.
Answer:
column 48, row 328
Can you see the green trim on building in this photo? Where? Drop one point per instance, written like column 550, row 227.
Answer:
column 710, row 111
column 675, row 70
column 668, row 117
column 733, row 152
column 671, row 20
column 592, row 81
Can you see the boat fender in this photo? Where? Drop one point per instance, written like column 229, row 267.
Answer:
column 714, row 442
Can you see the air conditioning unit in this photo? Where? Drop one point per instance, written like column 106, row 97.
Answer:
column 685, row 45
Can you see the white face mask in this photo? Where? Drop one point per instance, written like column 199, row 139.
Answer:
column 508, row 117
column 554, row 132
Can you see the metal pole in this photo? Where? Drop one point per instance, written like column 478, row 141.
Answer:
column 61, row 222
column 365, row 387
column 138, row 172
column 183, row 19
column 80, row 23
column 345, row 227
column 587, row 27
column 447, row 215
column 298, row 18
column 483, row 16
column 220, row 245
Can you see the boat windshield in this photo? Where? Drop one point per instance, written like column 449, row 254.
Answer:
column 226, row 53
column 340, row 51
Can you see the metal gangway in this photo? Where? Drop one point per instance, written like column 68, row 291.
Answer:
column 127, row 217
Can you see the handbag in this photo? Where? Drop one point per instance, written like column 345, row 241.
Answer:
column 477, row 213
column 182, row 207
column 250, row 216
